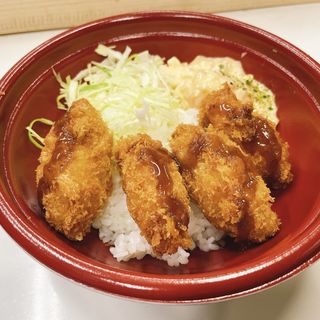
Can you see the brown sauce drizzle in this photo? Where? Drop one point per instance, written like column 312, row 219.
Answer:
column 266, row 144
column 159, row 160
column 246, row 221
column 61, row 155
column 196, row 147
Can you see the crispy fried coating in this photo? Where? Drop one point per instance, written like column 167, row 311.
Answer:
column 74, row 174
column 156, row 196
column 256, row 136
column 225, row 112
column 220, row 180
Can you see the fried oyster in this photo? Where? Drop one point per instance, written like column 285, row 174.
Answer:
column 219, row 178
column 74, row 175
column 156, row 196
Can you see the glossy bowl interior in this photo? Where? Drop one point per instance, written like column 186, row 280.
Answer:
column 31, row 90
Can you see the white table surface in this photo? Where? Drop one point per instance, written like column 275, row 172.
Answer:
column 30, row 291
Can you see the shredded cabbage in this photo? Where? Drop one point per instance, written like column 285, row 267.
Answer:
column 129, row 92
column 141, row 93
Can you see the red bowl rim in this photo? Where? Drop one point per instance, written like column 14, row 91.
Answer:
column 152, row 287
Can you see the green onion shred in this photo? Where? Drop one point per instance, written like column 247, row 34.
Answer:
column 33, row 136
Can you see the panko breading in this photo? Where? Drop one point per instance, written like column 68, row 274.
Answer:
column 220, row 180
column 256, row 136
column 74, row 174
column 156, row 196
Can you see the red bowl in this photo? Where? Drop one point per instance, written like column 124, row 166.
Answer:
column 30, row 92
